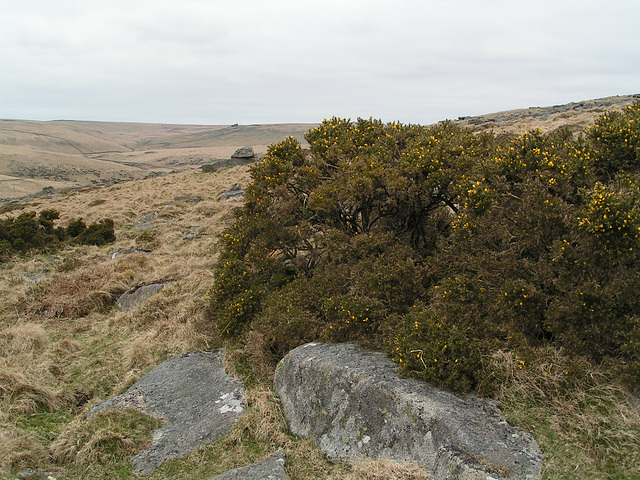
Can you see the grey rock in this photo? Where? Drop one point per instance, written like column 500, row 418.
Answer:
column 452, row 464
column 234, row 192
column 37, row 475
column 35, row 278
column 271, row 468
column 244, row 152
column 191, row 236
column 213, row 167
column 197, row 400
column 146, row 220
column 352, row 402
column 635, row 401
column 209, row 167
column 139, row 294
column 186, row 199
column 127, row 251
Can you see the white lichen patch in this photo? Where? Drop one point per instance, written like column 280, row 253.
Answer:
column 230, row 403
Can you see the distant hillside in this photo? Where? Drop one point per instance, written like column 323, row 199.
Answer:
column 59, row 154
column 70, row 154
column 574, row 115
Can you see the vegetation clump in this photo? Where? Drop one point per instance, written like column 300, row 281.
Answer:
column 31, row 232
column 442, row 246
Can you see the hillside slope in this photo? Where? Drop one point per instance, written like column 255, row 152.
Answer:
column 574, row 115
column 71, row 154
column 65, row 346
column 62, row 154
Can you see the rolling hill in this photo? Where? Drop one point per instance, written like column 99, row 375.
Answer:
column 66, row 346
column 71, row 154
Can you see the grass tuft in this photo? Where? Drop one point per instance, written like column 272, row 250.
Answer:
column 106, row 442
column 584, row 422
column 20, row 395
column 24, row 338
column 22, row 451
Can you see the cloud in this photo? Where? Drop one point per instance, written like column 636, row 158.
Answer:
column 251, row 61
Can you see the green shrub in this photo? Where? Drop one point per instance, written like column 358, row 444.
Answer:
column 76, row 227
column 444, row 354
column 506, row 243
column 99, row 233
column 28, row 232
column 615, row 139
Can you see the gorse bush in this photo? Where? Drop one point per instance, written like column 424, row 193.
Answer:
column 441, row 246
column 29, row 232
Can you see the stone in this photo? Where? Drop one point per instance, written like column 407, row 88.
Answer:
column 191, row 236
column 452, row 464
column 37, row 475
column 146, row 220
column 271, row 468
column 234, row 192
column 213, row 167
column 244, row 152
column 635, row 400
column 138, row 295
column 181, row 198
column 197, row 400
column 37, row 277
column 127, row 251
column 355, row 406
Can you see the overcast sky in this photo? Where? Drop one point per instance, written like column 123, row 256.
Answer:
column 280, row 61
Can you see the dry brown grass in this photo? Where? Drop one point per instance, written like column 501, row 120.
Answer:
column 585, row 423
column 386, row 469
column 21, row 451
column 75, row 294
column 27, row 337
column 100, row 446
column 19, row 394
column 64, row 346
column 263, row 421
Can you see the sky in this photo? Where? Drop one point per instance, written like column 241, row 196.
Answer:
column 214, row 62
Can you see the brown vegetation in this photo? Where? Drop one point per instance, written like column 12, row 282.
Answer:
column 64, row 347
column 70, row 154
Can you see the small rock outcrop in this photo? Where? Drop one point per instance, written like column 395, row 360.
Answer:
column 271, row 468
column 242, row 156
column 194, row 396
column 139, row 294
column 127, row 251
column 182, row 198
column 352, row 402
column 244, row 152
column 234, row 192
column 37, row 277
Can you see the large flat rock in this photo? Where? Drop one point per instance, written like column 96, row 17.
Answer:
column 138, row 295
column 352, row 402
column 194, row 396
column 270, row 468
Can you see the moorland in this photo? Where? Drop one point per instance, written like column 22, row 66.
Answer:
column 70, row 154
column 65, row 346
